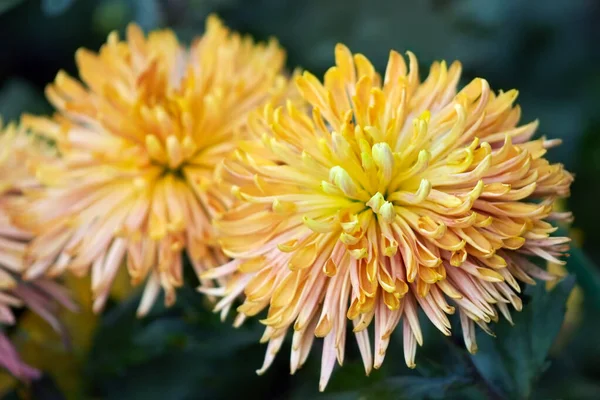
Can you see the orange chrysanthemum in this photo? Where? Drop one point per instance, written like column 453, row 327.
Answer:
column 394, row 196
column 139, row 141
column 17, row 149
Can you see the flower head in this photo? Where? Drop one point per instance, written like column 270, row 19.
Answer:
column 139, row 141
column 17, row 149
column 395, row 195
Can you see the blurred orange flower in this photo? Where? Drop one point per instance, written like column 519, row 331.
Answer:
column 139, row 142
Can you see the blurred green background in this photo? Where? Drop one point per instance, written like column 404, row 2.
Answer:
column 548, row 49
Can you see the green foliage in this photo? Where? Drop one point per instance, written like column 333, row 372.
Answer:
column 55, row 7
column 406, row 387
column 18, row 95
column 6, row 5
column 588, row 276
column 147, row 13
column 188, row 353
column 512, row 361
column 185, row 351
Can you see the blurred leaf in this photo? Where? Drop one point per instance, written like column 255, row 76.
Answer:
column 43, row 389
column 110, row 15
column 585, row 270
column 56, row 7
column 399, row 387
column 147, row 13
column 569, row 387
column 414, row 387
column 6, row 5
column 587, row 274
column 47, row 389
column 17, row 96
column 180, row 352
column 514, row 360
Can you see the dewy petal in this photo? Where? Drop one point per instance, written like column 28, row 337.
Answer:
column 399, row 196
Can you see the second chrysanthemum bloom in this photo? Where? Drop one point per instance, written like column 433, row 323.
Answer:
column 139, row 141
column 395, row 195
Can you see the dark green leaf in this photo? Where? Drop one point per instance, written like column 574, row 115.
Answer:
column 587, row 274
column 55, row 7
column 414, row 387
column 111, row 15
column 17, row 96
column 513, row 361
column 399, row 387
column 585, row 270
column 182, row 352
column 147, row 13
column 6, row 5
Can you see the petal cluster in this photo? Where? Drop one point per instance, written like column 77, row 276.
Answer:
column 392, row 195
column 139, row 137
column 18, row 152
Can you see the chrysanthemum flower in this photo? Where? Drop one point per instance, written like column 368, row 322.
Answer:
column 139, row 141
column 394, row 196
column 41, row 295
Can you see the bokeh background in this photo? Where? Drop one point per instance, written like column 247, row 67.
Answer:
column 548, row 49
